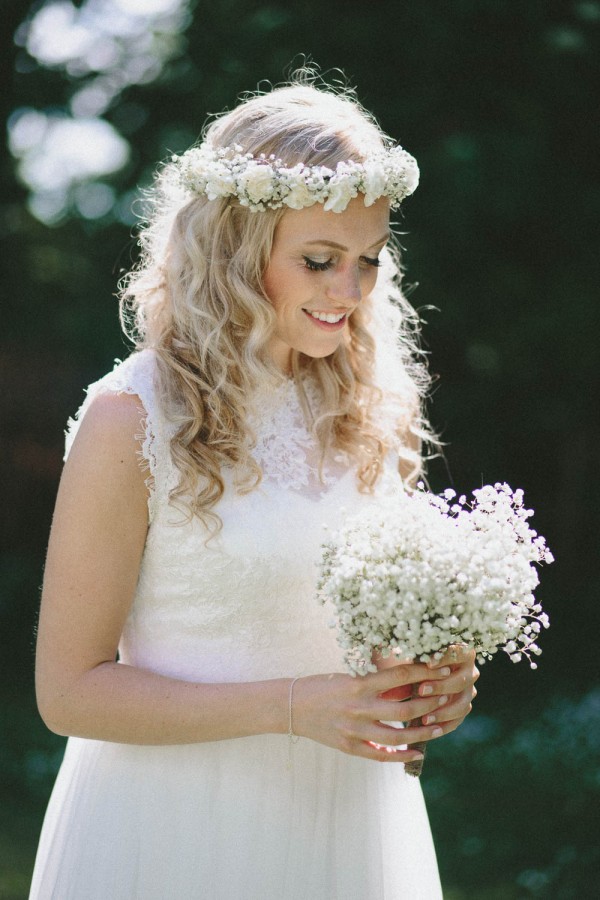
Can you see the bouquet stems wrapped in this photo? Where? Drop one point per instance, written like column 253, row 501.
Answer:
column 418, row 573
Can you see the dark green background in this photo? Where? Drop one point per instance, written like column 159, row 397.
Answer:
column 498, row 101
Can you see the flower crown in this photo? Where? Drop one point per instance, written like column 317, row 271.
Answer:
column 266, row 183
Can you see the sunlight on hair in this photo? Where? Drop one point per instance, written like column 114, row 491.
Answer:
column 198, row 294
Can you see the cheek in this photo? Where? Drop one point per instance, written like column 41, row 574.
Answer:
column 284, row 289
column 370, row 279
column 269, row 283
column 276, row 286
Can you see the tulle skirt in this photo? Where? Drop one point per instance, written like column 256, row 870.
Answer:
column 248, row 819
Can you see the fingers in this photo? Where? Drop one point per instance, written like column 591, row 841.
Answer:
column 444, row 699
column 363, row 731
column 454, row 654
column 459, row 686
column 462, row 676
column 407, row 710
column 457, row 682
column 350, row 714
column 454, row 711
column 401, row 675
column 358, row 724
column 389, row 744
column 411, row 734
column 382, row 753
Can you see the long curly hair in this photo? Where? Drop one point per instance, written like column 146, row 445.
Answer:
column 196, row 297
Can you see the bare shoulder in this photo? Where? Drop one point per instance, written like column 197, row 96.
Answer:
column 104, row 461
column 112, row 428
column 112, row 417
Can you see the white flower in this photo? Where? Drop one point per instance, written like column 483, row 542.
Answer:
column 374, row 181
column 414, row 575
column 219, row 182
column 340, row 192
column 300, row 195
column 262, row 183
column 411, row 176
column 257, row 182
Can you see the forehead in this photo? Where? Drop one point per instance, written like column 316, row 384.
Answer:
column 358, row 225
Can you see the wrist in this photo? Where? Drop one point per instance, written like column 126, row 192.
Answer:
column 275, row 707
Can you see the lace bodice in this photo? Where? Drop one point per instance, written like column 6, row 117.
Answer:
column 242, row 605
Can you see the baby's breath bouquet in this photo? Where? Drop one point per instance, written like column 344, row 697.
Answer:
column 414, row 574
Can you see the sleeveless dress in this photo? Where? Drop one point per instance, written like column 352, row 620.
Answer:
column 252, row 818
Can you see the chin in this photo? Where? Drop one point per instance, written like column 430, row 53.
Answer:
column 319, row 349
column 318, row 354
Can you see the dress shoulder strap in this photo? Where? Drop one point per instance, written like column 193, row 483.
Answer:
column 136, row 375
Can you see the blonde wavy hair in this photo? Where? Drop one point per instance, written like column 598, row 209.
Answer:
column 197, row 298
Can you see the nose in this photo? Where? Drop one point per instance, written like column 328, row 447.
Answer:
column 344, row 286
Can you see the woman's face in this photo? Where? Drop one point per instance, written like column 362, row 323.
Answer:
column 322, row 265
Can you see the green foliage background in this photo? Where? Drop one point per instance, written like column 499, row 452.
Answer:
column 498, row 101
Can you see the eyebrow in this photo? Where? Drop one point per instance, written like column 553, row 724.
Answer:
column 335, row 246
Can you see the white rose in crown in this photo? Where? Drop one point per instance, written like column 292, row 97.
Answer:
column 256, row 181
column 341, row 189
column 219, row 181
column 374, row 180
column 301, row 194
column 411, row 179
column 265, row 183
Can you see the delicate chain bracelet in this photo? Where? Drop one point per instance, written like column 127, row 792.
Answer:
column 294, row 738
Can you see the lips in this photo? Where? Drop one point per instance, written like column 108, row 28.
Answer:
column 326, row 318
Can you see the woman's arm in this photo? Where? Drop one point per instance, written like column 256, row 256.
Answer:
column 96, row 545
column 94, row 555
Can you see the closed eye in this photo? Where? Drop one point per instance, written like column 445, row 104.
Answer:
column 315, row 266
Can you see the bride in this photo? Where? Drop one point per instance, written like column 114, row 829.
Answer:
column 217, row 747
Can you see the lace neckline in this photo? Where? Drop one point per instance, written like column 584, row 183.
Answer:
column 286, row 449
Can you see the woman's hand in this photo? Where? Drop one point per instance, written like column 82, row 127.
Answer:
column 458, row 686
column 349, row 714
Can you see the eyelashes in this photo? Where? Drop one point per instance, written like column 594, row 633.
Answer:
column 372, row 261
column 315, row 266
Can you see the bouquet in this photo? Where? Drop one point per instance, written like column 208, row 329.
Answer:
column 416, row 573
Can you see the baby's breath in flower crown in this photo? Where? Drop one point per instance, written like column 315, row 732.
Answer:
column 266, row 183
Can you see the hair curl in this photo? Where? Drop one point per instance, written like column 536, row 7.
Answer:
column 197, row 298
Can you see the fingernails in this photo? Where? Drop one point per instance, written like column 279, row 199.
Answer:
column 445, row 671
column 437, row 732
column 427, row 690
column 427, row 720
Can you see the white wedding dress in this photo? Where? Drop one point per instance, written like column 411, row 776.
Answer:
column 252, row 818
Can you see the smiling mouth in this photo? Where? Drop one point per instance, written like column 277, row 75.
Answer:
column 326, row 318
